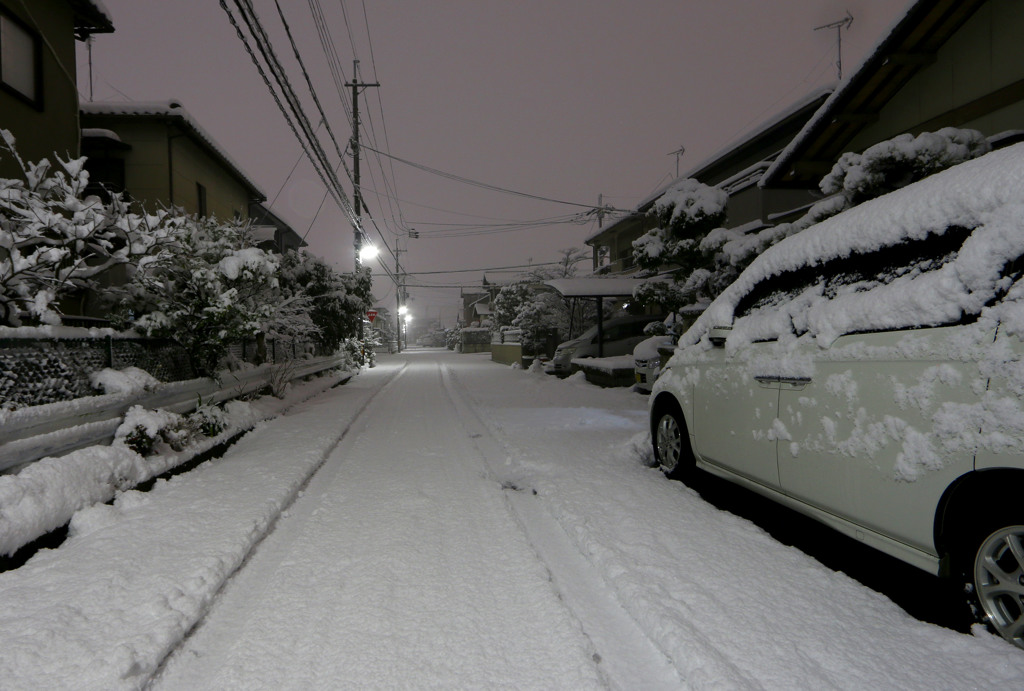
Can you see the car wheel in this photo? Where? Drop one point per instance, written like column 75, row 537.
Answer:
column 670, row 444
column 997, row 581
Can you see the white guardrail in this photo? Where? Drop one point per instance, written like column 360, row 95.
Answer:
column 28, row 434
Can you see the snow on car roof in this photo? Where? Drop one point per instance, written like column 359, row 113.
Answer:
column 986, row 193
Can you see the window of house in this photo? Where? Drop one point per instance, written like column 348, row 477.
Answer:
column 20, row 60
column 201, row 199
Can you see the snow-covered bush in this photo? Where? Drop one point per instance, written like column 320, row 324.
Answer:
column 900, row 161
column 142, row 428
column 53, row 240
column 535, row 308
column 208, row 420
column 337, row 302
column 685, row 213
column 211, row 287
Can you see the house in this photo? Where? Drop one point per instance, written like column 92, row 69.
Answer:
column 38, row 80
column 159, row 155
column 947, row 63
column 272, row 233
column 736, row 169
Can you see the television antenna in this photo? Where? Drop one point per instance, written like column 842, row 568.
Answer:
column 677, row 153
column 838, row 26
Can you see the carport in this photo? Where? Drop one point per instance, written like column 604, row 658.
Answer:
column 597, row 289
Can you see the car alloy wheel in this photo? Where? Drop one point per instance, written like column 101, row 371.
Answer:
column 669, row 442
column 999, row 582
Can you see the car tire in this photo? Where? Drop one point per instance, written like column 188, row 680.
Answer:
column 671, row 442
column 995, row 577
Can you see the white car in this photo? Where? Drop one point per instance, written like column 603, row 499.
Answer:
column 869, row 372
column 620, row 336
column 647, row 359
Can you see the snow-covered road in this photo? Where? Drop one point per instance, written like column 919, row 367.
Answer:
column 445, row 522
column 401, row 565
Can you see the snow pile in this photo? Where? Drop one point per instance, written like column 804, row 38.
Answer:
column 45, row 494
column 130, row 380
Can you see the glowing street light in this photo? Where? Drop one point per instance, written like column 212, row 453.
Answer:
column 368, row 252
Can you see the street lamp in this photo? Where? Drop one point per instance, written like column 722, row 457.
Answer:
column 404, row 317
column 368, row 252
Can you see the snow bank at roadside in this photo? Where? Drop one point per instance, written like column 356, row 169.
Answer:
column 134, row 577
column 45, row 494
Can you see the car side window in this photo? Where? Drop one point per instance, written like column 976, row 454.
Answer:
column 856, row 273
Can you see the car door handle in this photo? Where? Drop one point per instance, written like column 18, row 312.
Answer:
column 773, row 379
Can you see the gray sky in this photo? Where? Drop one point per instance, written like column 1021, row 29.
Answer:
column 563, row 100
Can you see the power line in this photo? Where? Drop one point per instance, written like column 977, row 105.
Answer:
column 484, row 185
column 492, row 268
column 310, row 143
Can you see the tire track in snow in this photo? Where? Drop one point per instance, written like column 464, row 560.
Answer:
column 629, row 659
column 357, row 418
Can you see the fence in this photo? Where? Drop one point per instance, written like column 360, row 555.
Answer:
column 36, row 371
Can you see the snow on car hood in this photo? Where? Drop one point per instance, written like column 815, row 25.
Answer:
column 986, row 193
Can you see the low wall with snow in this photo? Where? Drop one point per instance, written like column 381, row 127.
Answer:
column 608, row 371
column 507, row 353
column 37, row 369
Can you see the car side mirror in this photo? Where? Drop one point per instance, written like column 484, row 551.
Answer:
column 718, row 334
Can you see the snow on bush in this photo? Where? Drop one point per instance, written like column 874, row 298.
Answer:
column 54, row 241
column 685, row 213
column 900, row 161
column 142, row 428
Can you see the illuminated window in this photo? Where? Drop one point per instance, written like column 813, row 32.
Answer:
column 20, row 57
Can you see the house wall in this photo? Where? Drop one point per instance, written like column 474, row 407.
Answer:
column 53, row 127
column 984, row 56
column 226, row 198
column 158, row 146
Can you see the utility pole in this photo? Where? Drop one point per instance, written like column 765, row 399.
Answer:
column 838, row 26
column 356, row 194
column 398, row 295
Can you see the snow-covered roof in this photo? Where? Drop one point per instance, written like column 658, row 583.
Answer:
column 925, row 26
column 100, row 133
column 173, row 110
column 91, row 17
column 594, row 287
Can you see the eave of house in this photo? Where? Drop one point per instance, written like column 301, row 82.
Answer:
column 911, row 45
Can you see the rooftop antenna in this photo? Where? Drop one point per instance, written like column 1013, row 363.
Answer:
column 838, row 26
column 678, row 153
